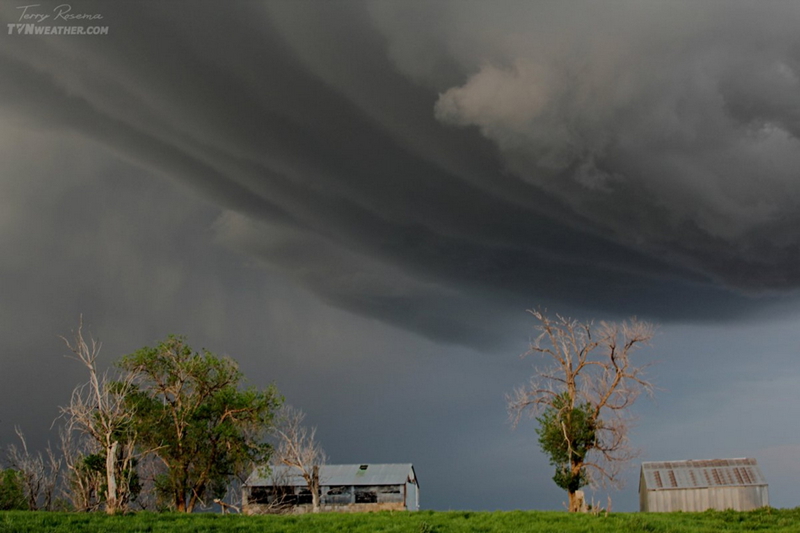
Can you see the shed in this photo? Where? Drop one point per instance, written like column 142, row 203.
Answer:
column 721, row 484
column 343, row 488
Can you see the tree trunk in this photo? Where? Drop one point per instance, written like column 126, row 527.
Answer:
column 577, row 502
column 573, row 502
column 180, row 501
column 111, row 480
column 314, row 486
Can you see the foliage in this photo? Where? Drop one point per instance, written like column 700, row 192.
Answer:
column 567, row 434
column 12, row 493
column 773, row 520
column 190, row 411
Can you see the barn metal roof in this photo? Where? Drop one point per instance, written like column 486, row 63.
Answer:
column 702, row 474
column 337, row 475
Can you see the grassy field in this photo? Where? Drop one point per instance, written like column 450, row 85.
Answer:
column 420, row 522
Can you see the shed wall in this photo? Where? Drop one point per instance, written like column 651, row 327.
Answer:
column 643, row 501
column 342, row 499
column 412, row 496
column 701, row 499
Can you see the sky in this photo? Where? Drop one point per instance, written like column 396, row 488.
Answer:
column 359, row 200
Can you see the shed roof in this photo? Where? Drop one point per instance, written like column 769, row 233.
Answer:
column 702, row 474
column 337, row 475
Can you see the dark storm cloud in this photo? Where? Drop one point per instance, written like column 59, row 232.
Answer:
column 440, row 166
column 637, row 123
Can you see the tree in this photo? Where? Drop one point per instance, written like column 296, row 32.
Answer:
column 99, row 410
column 191, row 412
column 582, row 397
column 299, row 449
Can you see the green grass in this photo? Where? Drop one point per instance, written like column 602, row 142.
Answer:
column 783, row 520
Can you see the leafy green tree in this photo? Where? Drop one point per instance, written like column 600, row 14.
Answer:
column 12, row 493
column 191, row 412
column 567, row 433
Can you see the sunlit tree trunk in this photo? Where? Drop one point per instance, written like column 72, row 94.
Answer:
column 111, row 479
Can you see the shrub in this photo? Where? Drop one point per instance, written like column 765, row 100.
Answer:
column 12, row 495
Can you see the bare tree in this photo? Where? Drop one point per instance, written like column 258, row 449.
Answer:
column 51, row 484
column 83, row 484
column 298, row 448
column 39, row 474
column 582, row 397
column 98, row 410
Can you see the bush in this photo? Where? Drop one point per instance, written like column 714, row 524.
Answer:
column 12, row 496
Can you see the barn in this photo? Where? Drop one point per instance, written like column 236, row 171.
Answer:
column 343, row 488
column 721, row 484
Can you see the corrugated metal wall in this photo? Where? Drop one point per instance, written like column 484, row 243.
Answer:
column 701, row 499
column 698, row 485
column 412, row 496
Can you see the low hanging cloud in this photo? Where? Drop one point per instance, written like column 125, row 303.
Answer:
column 678, row 142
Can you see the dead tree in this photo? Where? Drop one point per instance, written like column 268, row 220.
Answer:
column 83, row 484
column 298, row 448
column 99, row 411
column 582, row 397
